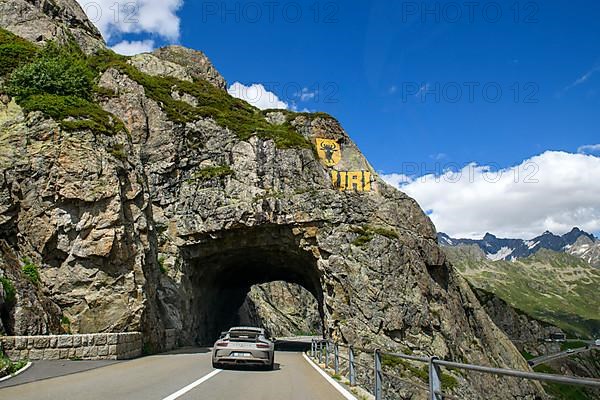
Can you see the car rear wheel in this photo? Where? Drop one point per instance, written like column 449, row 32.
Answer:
column 216, row 365
column 271, row 366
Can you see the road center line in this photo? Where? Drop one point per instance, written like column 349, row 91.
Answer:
column 192, row 385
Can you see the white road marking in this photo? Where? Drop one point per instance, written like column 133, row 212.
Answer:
column 329, row 379
column 192, row 385
column 25, row 368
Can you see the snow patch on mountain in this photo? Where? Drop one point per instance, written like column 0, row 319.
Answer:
column 531, row 244
column 502, row 254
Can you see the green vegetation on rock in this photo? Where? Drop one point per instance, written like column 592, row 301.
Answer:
column 74, row 113
column 209, row 173
column 30, row 270
column 60, row 71
column 235, row 114
column 366, row 233
column 118, row 151
column 10, row 292
column 65, row 323
column 389, row 361
column 527, row 355
column 556, row 288
column 564, row 346
column 59, row 83
column 14, row 52
column 7, row 367
column 161, row 264
column 560, row 391
column 290, row 115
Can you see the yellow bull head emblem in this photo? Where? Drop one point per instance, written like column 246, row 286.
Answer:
column 329, row 151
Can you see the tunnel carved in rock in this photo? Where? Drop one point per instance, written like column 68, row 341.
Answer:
column 220, row 272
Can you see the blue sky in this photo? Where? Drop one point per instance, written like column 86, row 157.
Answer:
column 420, row 86
column 369, row 51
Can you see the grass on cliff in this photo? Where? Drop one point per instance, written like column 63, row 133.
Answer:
column 527, row 355
column 56, row 70
column 14, row 52
column 30, row 270
column 572, row 344
column 559, row 391
column 161, row 264
column 61, row 83
column 73, row 113
column 209, row 173
column 10, row 293
column 366, row 233
column 235, row 114
column 556, row 288
column 58, row 82
column 388, row 361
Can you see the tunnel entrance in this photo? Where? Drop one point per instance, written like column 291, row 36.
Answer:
column 222, row 269
column 283, row 309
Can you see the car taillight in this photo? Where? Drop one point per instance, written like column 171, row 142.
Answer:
column 262, row 345
column 222, row 344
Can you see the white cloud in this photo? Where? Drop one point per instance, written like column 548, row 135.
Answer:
column 589, row 148
column 582, row 79
column 423, row 89
column 397, row 180
column 306, row 94
column 157, row 17
column 257, row 95
column 553, row 191
column 134, row 47
column 438, row 156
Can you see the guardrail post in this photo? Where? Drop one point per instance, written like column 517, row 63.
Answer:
column 320, row 349
column 351, row 370
column 378, row 375
column 326, row 354
column 336, row 358
column 312, row 348
column 435, row 384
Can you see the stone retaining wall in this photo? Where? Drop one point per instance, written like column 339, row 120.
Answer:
column 96, row 346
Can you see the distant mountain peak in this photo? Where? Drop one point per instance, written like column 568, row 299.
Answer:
column 495, row 248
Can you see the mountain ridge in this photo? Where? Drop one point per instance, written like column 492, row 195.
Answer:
column 555, row 287
column 496, row 248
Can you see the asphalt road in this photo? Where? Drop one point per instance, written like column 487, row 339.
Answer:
column 562, row 354
column 163, row 377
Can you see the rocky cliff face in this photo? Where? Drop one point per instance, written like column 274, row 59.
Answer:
column 40, row 21
column 585, row 365
column 283, row 309
column 168, row 220
column 527, row 333
column 587, row 249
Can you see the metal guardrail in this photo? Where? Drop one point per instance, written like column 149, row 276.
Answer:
column 322, row 350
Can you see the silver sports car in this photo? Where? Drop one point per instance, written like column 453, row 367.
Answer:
column 243, row 346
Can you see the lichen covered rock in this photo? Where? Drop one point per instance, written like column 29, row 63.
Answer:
column 283, row 309
column 41, row 21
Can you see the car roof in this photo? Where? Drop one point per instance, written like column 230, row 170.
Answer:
column 247, row 328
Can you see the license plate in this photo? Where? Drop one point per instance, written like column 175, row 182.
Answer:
column 244, row 345
column 241, row 354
